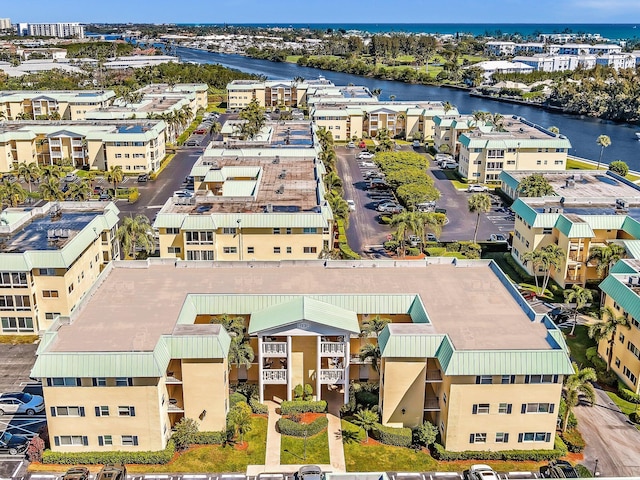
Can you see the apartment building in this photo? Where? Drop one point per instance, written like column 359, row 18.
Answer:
column 515, row 144
column 139, row 61
column 52, row 104
column 5, row 24
column 617, row 60
column 51, row 256
column 621, row 292
column 258, row 200
column 135, row 145
column 490, row 67
column 493, row 383
column 500, row 48
column 448, row 129
column 59, row 30
column 590, row 209
column 272, row 93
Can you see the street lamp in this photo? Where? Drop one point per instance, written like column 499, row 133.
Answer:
column 239, row 240
column 596, row 473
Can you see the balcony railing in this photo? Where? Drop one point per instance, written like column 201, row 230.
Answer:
column 274, row 349
column 355, row 360
column 431, row 404
column 76, row 143
column 55, row 143
column 274, row 376
column 173, row 406
column 434, row 376
column 55, row 154
column 171, row 379
column 332, row 349
column 331, row 376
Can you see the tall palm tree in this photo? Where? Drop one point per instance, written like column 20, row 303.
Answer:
column 240, row 353
column 50, row 189
column 554, row 129
column 333, row 182
column 136, row 232
column 478, row 203
column 497, row 120
column 374, row 325
column 535, row 258
column 51, row 171
column 30, row 172
column 12, row 194
column 552, row 256
column 371, row 351
column 606, row 257
column 447, row 106
column 115, row 176
column 215, row 128
column 581, row 297
column 606, row 329
column 576, row 386
column 604, row 141
column 432, row 222
column 365, row 419
column 234, row 325
column 79, row 191
column 406, row 222
column 325, row 138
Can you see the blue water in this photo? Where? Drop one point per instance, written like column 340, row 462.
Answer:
column 606, row 30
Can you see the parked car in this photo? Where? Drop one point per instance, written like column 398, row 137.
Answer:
column 390, row 207
column 449, row 165
column 365, row 155
column 192, row 143
column 97, row 190
column 481, row 472
column 352, row 205
column 367, row 164
column 426, row 206
column 21, row 402
column 76, row 473
column 143, row 178
column 416, row 144
column 414, row 240
column 498, row 237
column 431, row 237
column 309, row 472
column 70, row 177
column 13, row 444
column 558, row 469
column 362, row 144
column 105, row 196
column 112, row 472
column 183, row 193
column 351, row 145
column 477, row 188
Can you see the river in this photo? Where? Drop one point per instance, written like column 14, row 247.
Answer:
column 581, row 131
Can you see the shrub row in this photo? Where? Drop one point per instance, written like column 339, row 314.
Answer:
column 210, row 438
column 300, row 406
column 399, row 437
column 560, row 449
column 92, row 458
column 258, row 408
column 574, row 441
column 627, row 394
column 295, row 429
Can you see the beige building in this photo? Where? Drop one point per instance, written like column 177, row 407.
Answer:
column 448, row 128
column 270, row 94
column 590, row 210
column 490, row 384
column 135, row 145
column 515, row 145
column 51, row 256
column 621, row 292
column 51, row 104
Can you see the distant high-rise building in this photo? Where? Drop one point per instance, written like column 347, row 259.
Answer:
column 60, row 30
column 5, row 24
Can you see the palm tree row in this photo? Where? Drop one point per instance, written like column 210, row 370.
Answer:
column 136, row 233
column 544, row 260
column 416, row 223
column 176, row 121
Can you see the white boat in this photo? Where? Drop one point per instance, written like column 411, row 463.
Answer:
column 638, row 135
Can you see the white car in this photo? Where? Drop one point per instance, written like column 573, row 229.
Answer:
column 352, row 205
column 183, row 193
column 477, row 188
column 481, row 472
column 351, row 145
column 367, row 164
column 449, row 165
column 416, row 144
column 498, row 237
column 365, row 155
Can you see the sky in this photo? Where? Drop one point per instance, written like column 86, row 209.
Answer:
column 323, row 11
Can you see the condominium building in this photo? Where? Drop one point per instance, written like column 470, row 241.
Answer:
column 500, row 48
column 52, row 104
column 264, row 202
column 51, row 256
column 485, row 368
column 272, row 93
column 515, row 144
column 135, row 145
column 617, row 60
column 448, row 129
column 489, row 67
column 5, row 24
column 59, row 30
column 621, row 292
column 589, row 209
column 139, row 61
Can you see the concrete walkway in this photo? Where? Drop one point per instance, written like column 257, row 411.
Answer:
column 272, row 456
column 336, row 450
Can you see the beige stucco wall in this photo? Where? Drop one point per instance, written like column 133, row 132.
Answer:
column 303, row 361
column 403, row 388
column 205, row 389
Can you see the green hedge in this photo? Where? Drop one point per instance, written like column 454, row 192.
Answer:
column 560, row 449
column 295, row 429
column 347, row 253
column 300, row 406
column 236, row 397
column 210, row 438
column 258, row 408
column 92, row 458
column 400, row 437
column 574, row 441
column 626, row 394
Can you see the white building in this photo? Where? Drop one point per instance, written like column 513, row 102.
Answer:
column 139, row 61
column 5, row 24
column 59, row 30
column 575, row 49
column 531, row 47
column 500, row 48
column 550, row 63
column 502, row 66
column 605, row 49
column 617, row 60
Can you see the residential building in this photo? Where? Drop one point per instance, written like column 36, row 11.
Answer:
column 617, row 60
column 59, row 30
column 448, row 129
column 52, row 53
column 590, row 209
column 500, row 48
column 493, row 383
column 139, row 61
column 490, row 67
column 52, row 104
column 252, row 202
column 40, row 65
column 5, row 24
column 135, row 145
column 550, row 63
column 621, row 292
column 51, row 256
column 515, row 144
column 272, row 93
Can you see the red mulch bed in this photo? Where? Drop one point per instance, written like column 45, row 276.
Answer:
column 241, row 446
column 574, row 457
column 308, row 418
column 370, row 441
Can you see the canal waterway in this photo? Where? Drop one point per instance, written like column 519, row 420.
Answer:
column 581, row 131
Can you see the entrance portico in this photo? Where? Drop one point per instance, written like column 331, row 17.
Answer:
column 304, row 341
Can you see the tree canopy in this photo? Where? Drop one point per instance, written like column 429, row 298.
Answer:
column 535, row 185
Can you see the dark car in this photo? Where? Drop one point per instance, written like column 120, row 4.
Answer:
column 105, row 196
column 558, row 469
column 309, row 472
column 13, row 444
column 143, row 178
column 112, row 472
column 97, row 190
column 76, row 473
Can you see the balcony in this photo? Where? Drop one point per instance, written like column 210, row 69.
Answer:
column 274, row 349
column 355, row 360
column 171, row 379
column 434, row 376
column 76, row 143
column 274, row 376
column 431, row 404
column 331, row 376
column 332, row 349
column 78, row 154
column 55, row 154
column 173, row 406
column 55, row 143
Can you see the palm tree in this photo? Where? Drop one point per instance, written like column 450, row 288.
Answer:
column 581, row 297
column 407, row 222
column 497, row 120
column 115, row 176
column 41, row 143
column 376, row 92
column 374, row 325
column 366, row 419
column 446, row 106
column 79, row 191
column 554, row 129
column 575, row 386
column 433, row 222
column 240, row 353
column 606, row 329
column 136, row 232
column 215, row 128
column 371, row 351
column 606, row 257
column 535, row 258
column 12, row 194
column 50, row 189
column 604, row 141
column 479, row 203
column 325, row 138
column 30, row 172
column 333, row 182
column 552, row 256
column 51, row 171
column 234, row 325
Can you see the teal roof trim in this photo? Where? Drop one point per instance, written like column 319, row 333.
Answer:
column 102, row 364
column 508, row 180
column 632, row 227
column 197, row 346
column 525, row 211
column 573, row 229
column 418, row 312
column 622, row 266
column 510, row 362
column 408, row 345
column 625, row 297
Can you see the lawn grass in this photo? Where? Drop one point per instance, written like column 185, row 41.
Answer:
column 292, row 449
column 625, row 407
column 573, row 164
column 18, row 339
column 509, row 271
column 578, row 345
column 293, row 58
column 454, row 179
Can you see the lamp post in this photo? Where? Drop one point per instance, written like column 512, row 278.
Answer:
column 595, row 469
column 239, row 240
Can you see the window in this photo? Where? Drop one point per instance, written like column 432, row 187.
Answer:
column 507, row 379
column 129, row 440
column 173, row 231
column 444, row 397
column 534, row 437
column 67, row 411
column 502, row 437
column 547, row 231
column 537, row 407
column 105, row 440
column 250, row 250
column 63, row 382
column 50, row 293
column 629, row 375
column 100, row 382
column 102, row 411
column 621, row 337
column 47, row 272
column 174, row 250
column 308, row 230
column 288, row 231
column 17, row 324
column 71, row 440
column 125, row 411
column 229, row 230
column 310, row 249
column 276, row 231
column 199, row 255
column 199, row 237
column 289, row 250
column 478, row 438
column 633, row 349
column 484, row 379
column 480, row 408
column 541, row 379
column 230, row 250
column 124, row 382
column 276, row 249
column 17, row 279
column 71, row 288
column 504, row 408
column 617, row 362
column 51, row 315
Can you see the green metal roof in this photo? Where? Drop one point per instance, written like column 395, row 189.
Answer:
column 622, row 266
column 604, row 222
column 525, row 211
column 614, row 286
column 506, row 140
column 304, row 308
column 509, row 362
column 508, row 180
column 408, row 345
column 632, row 227
column 239, row 188
column 101, row 364
column 574, row 229
column 197, row 222
column 198, row 346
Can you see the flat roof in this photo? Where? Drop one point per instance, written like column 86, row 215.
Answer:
column 136, row 303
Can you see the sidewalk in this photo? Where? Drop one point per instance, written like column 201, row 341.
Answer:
column 272, row 456
column 336, row 450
